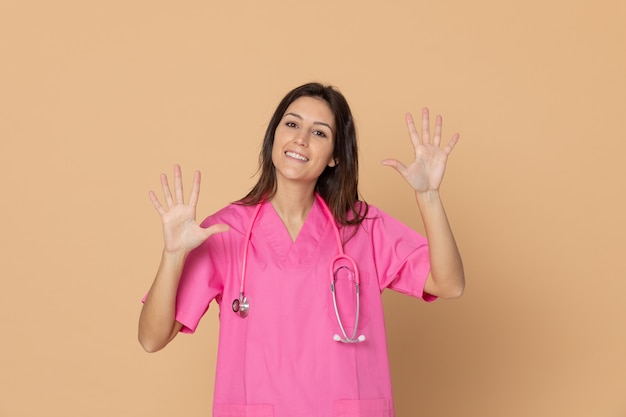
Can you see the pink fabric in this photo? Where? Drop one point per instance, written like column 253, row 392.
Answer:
column 282, row 360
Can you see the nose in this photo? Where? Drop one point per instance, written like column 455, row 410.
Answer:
column 301, row 138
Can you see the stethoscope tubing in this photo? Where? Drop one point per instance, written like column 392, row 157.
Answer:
column 241, row 305
column 346, row 339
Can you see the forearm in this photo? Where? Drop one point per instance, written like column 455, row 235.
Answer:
column 157, row 322
column 447, row 278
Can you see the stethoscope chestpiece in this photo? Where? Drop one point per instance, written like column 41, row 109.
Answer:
column 241, row 306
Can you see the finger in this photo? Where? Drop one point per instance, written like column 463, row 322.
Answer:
column 166, row 191
column 425, row 126
column 397, row 165
column 216, row 228
column 195, row 189
column 219, row 228
column 155, row 202
column 178, row 184
column 410, row 124
column 438, row 123
column 452, row 143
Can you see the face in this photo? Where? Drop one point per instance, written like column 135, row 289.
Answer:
column 303, row 141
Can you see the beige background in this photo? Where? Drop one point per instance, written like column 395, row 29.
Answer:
column 98, row 98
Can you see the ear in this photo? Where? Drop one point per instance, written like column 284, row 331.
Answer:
column 333, row 162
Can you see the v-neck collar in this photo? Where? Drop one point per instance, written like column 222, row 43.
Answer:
column 299, row 252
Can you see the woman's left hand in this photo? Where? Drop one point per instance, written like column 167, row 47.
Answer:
column 425, row 173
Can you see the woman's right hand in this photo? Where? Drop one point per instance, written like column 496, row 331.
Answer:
column 181, row 233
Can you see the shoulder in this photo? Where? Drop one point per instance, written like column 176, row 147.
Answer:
column 377, row 222
column 237, row 216
column 372, row 214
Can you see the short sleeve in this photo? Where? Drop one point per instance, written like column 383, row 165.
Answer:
column 199, row 283
column 401, row 256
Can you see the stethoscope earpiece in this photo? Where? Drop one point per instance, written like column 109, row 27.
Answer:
column 338, row 338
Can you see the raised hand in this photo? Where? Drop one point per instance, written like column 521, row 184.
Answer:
column 425, row 173
column 181, row 233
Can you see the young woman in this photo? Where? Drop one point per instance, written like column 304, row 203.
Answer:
column 298, row 267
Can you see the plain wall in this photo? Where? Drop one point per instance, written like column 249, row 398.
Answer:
column 98, row 98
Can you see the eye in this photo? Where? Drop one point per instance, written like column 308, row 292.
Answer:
column 319, row 133
column 291, row 124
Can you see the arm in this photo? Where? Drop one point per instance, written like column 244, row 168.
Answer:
column 157, row 322
column 425, row 174
column 446, row 279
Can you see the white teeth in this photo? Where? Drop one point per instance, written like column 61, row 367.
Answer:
column 296, row 156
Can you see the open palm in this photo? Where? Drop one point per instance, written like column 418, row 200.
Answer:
column 180, row 230
column 425, row 173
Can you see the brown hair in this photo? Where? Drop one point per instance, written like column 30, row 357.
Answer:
column 337, row 185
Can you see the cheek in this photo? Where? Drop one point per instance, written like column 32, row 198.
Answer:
column 331, row 152
column 279, row 140
column 275, row 152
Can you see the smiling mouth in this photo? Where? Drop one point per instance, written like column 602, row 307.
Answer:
column 297, row 156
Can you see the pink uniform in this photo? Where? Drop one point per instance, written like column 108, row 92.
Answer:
column 282, row 360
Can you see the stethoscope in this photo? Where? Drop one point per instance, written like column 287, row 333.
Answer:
column 241, row 305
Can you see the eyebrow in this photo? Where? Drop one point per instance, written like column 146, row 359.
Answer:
column 315, row 123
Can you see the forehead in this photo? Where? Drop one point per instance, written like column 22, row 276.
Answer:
column 312, row 109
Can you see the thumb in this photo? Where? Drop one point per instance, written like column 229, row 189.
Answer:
column 216, row 228
column 394, row 163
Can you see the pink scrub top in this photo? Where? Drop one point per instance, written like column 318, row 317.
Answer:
column 282, row 360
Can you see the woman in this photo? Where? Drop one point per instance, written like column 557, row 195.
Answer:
column 288, row 346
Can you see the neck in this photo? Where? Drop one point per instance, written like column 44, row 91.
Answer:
column 293, row 205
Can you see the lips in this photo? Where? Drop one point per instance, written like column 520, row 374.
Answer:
column 297, row 156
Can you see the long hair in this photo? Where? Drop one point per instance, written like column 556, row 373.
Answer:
column 337, row 185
